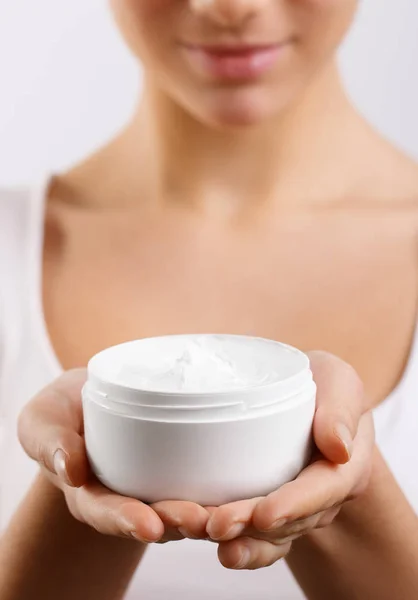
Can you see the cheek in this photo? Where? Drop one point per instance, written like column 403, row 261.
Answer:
column 143, row 6
column 144, row 11
column 338, row 10
column 325, row 4
column 322, row 24
column 144, row 24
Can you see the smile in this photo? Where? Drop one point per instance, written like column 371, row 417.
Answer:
column 234, row 62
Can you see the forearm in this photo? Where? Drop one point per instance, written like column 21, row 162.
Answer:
column 371, row 550
column 45, row 553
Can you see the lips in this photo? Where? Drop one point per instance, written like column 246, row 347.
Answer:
column 233, row 62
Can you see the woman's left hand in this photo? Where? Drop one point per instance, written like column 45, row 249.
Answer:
column 257, row 533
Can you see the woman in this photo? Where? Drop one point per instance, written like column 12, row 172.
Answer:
column 246, row 195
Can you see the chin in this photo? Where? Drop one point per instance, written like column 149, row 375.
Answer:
column 237, row 116
column 239, row 109
column 236, row 111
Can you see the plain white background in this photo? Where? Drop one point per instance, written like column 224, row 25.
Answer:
column 67, row 83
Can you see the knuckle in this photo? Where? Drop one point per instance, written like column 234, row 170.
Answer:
column 24, row 428
column 42, row 456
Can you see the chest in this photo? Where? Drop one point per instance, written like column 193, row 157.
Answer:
column 314, row 283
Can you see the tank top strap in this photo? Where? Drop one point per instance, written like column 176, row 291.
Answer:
column 22, row 212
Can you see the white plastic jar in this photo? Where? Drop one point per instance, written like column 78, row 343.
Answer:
column 225, row 426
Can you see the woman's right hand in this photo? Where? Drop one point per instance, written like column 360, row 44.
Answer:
column 51, row 433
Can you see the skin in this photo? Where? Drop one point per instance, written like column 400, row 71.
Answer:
column 266, row 207
column 55, row 543
column 55, row 415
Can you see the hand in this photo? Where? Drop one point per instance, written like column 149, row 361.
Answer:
column 256, row 533
column 51, row 432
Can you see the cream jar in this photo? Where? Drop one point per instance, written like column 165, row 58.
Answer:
column 205, row 418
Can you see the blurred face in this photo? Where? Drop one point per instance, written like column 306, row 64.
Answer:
column 233, row 62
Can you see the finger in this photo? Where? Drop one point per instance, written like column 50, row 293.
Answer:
column 340, row 405
column 230, row 520
column 248, row 553
column 289, row 531
column 111, row 514
column 171, row 535
column 211, row 509
column 319, row 487
column 328, row 517
column 50, row 429
column 188, row 518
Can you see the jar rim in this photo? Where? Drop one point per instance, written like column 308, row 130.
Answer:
column 102, row 368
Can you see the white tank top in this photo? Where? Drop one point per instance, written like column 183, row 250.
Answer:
column 186, row 570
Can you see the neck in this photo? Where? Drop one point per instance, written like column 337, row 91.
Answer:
column 165, row 155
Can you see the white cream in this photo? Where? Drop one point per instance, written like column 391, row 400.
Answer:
column 202, row 364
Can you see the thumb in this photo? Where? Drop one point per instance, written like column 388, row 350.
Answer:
column 340, row 405
column 50, row 429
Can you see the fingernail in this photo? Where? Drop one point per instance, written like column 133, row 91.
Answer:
column 141, row 539
column 277, row 524
column 60, row 466
column 233, row 531
column 209, row 529
column 344, row 434
column 153, row 528
column 126, row 525
column 244, row 560
column 129, row 529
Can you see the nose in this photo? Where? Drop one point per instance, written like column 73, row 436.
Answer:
column 228, row 13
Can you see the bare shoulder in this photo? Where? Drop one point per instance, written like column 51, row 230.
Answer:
column 382, row 201
column 401, row 176
column 390, row 179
